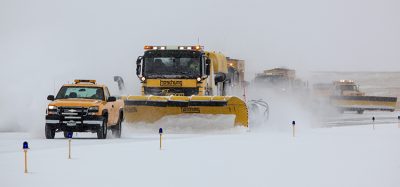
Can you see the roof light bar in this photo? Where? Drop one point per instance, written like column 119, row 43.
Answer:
column 77, row 81
column 195, row 47
column 149, row 47
column 346, row 81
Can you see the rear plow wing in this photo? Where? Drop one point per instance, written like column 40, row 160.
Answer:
column 364, row 102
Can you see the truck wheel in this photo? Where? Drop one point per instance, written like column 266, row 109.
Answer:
column 360, row 111
column 102, row 132
column 50, row 133
column 116, row 130
column 66, row 134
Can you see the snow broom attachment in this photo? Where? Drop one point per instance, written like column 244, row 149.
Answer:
column 150, row 109
column 362, row 103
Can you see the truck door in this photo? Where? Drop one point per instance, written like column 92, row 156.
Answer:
column 110, row 107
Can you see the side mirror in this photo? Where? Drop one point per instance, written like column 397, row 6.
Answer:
column 138, row 65
column 208, row 66
column 50, row 97
column 111, row 99
column 220, row 77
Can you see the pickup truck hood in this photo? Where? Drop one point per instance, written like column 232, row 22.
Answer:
column 76, row 102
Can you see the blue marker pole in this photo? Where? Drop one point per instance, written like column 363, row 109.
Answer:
column 160, row 131
column 293, row 127
column 25, row 147
column 69, row 136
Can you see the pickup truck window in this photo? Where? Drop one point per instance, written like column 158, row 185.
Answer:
column 67, row 92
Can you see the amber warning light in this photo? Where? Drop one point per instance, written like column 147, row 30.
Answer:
column 195, row 48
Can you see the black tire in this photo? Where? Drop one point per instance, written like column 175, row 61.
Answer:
column 117, row 129
column 50, row 133
column 360, row 111
column 66, row 134
column 102, row 132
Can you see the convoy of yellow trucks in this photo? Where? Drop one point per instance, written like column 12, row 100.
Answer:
column 183, row 80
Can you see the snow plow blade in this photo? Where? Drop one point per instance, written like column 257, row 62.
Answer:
column 361, row 103
column 150, row 109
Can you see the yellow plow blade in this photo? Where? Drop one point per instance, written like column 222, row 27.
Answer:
column 364, row 102
column 150, row 109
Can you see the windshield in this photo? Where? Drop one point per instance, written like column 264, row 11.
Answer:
column 348, row 87
column 67, row 92
column 168, row 63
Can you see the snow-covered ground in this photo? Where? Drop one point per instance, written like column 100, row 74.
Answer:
column 353, row 155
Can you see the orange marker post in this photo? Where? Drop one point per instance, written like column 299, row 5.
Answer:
column 69, row 136
column 25, row 147
column 160, row 131
column 294, row 128
column 398, row 117
column 373, row 123
column 244, row 93
column 69, row 149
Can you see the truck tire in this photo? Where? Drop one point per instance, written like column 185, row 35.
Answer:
column 360, row 111
column 66, row 134
column 50, row 133
column 102, row 132
column 117, row 129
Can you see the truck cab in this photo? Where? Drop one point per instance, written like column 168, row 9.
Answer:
column 173, row 70
column 347, row 88
column 83, row 106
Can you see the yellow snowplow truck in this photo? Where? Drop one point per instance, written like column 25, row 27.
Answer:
column 182, row 80
column 346, row 96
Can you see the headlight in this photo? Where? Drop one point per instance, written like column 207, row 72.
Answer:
column 52, row 108
column 93, row 110
column 198, row 79
column 143, row 78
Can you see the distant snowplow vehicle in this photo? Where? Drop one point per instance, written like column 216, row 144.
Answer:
column 346, row 96
column 235, row 75
column 182, row 80
column 280, row 79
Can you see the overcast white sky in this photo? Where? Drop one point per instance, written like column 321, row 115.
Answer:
column 44, row 43
column 58, row 40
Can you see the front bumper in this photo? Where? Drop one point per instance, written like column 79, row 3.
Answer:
column 85, row 124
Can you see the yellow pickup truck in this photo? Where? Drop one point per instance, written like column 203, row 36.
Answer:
column 84, row 106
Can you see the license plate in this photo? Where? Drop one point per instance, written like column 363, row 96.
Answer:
column 71, row 123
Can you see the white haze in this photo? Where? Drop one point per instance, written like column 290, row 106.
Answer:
column 46, row 43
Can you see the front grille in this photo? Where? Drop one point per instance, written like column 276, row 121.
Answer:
column 72, row 113
column 171, row 91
